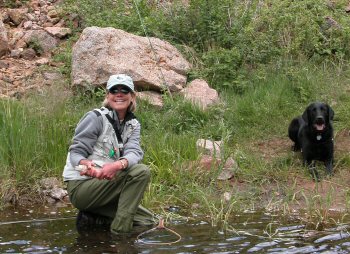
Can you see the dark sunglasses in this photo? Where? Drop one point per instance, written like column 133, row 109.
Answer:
column 122, row 90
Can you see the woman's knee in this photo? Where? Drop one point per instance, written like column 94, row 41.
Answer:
column 140, row 170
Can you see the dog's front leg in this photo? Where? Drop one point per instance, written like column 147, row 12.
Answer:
column 329, row 166
column 312, row 169
column 296, row 147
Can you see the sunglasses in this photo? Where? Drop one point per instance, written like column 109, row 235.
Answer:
column 122, row 90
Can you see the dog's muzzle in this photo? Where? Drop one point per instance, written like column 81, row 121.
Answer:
column 320, row 124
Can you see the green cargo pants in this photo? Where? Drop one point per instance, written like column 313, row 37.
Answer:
column 118, row 198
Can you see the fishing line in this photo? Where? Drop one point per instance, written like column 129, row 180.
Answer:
column 159, row 227
column 152, row 48
column 34, row 220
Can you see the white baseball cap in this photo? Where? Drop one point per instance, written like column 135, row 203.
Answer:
column 120, row 79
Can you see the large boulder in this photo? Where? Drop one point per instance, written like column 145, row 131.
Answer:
column 152, row 63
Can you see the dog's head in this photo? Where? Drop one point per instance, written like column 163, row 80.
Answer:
column 318, row 115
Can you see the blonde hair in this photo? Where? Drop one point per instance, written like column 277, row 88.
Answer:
column 132, row 106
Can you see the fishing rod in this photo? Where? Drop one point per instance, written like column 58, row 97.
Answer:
column 152, row 48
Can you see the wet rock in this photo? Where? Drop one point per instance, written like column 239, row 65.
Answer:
column 173, row 209
column 49, row 183
column 52, row 188
column 57, row 193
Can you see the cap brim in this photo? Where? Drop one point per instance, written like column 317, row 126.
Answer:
column 124, row 86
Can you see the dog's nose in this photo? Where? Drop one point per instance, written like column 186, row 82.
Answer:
column 319, row 119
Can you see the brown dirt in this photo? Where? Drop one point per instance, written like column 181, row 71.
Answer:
column 331, row 193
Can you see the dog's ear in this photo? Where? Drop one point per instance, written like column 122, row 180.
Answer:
column 305, row 115
column 330, row 113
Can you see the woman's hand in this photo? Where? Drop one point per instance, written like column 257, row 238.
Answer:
column 90, row 169
column 88, row 163
column 108, row 170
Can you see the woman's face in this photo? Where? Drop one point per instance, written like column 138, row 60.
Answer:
column 119, row 99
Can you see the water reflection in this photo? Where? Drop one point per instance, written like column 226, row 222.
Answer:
column 256, row 232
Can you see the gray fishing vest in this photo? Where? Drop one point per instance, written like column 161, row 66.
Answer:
column 109, row 145
column 107, row 148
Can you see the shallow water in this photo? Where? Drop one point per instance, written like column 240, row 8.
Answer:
column 52, row 230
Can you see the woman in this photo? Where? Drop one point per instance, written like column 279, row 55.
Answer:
column 104, row 180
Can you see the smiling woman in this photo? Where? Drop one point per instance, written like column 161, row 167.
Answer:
column 105, row 180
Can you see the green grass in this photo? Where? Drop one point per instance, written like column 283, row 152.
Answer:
column 264, row 76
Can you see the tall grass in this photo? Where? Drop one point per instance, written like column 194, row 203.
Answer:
column 29, row 143
column 35, row 135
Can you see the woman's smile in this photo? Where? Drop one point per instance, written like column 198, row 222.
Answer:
column 119, row 102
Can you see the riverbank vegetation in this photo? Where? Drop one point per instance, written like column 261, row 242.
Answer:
column 267, row 59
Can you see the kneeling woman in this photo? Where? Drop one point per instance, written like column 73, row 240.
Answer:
column 106, row 147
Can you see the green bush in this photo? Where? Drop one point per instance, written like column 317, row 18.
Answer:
column 293, row 28
column 223, row 68
column 108, row 13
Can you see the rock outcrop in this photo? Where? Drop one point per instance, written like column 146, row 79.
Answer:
column 28, row 36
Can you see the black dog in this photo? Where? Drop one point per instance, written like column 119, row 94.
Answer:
column 312, row 133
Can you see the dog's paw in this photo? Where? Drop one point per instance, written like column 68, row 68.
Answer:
column 314, row 173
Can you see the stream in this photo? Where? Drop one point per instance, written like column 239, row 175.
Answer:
column 52, row 230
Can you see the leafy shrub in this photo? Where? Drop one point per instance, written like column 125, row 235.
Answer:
column 222, row 68
column 108, row 13
column 294, row 28
column 233, row 36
